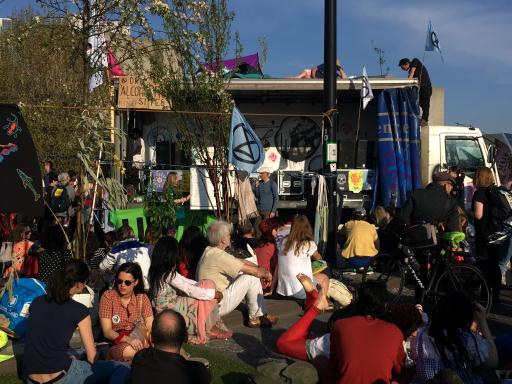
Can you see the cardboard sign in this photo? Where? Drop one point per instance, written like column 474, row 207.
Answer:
column 131, row 95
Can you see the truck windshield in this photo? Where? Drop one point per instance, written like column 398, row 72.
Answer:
column 464, row 153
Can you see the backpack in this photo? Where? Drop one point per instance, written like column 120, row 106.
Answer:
column 59, row 201
column 14, row 305
column 501, row 203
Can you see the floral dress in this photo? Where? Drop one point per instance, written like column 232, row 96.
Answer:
column 201, row 312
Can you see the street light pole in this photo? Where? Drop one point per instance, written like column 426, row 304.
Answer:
column 330, row 125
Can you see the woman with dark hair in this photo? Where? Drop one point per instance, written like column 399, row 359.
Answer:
column 266, row 251
column 54, row 252
column 197, row 302
column 451, row 341
column 296, row 253
column 125, row 313
column 53, row 319
column 487, row 254
column 191, row 248
column 98, row 250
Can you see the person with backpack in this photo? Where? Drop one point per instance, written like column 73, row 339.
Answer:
column 502, row 214
column 62, row 198
column 484, row 211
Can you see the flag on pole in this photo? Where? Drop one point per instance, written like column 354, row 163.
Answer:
column 96, row 50
column 245, row 148
column 113, row 66
column 97, row 58
column 432, row 42
column 366, row 89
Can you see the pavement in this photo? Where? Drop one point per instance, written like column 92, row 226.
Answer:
column 253, row 345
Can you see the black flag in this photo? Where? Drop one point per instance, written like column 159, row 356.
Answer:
column 21, row 189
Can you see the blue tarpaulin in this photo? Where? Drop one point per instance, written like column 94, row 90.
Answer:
column 398, row 137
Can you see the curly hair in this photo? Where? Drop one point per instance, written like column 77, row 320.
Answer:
column 405, row 316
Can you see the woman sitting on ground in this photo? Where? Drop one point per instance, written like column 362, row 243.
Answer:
column 197, row 302
column 125, row 314
column 360, row 340
column 20, row 249
column 53, row 319
column 296, row 253
column 54, row 253
column 153, row 233
column 361, row 241
column 191, row 248
column 266, row 251
column 457, row 338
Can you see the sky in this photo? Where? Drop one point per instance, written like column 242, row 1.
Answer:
column 474, row 35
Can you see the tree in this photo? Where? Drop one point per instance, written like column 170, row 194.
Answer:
column 48, row 69
column 194, row 33
column 382, row 60
column 38, row 67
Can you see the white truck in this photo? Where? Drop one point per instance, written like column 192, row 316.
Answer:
column 287, row 116
column 290, row 125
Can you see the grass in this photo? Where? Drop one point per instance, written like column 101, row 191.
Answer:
column 11, row 378
column 224, row 369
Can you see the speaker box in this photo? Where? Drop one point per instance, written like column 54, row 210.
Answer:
column 346, row 150
column 365, row 158
column 290, row 183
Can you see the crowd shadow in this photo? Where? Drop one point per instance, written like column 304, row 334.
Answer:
column 236, row 378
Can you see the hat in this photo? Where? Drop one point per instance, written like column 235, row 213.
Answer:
column 265, row 169
column 443, row 176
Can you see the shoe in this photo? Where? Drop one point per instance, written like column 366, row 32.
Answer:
column 265, row 321
column 216, row 333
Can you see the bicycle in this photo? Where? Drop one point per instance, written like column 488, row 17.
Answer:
column 443, row 272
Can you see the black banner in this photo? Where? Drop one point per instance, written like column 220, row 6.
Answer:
column 21, row 189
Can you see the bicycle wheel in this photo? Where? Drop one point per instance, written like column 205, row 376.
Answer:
column 388, row 270
column 467, row 279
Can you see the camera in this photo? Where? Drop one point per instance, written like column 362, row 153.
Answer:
column 458, row 188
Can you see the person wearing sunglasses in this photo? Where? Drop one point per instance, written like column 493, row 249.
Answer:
column 125, row 314
column 53, row 319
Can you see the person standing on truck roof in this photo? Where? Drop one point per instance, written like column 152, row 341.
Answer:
column 418, row 71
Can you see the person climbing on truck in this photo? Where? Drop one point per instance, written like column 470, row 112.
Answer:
column 418, row 71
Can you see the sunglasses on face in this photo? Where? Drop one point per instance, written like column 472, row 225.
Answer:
column 126, row 282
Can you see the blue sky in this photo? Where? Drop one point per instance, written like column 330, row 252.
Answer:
column 475, row 37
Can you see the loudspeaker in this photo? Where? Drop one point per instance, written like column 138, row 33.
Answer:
column 163, row 155
column 290, row 183
column 346, row 151
column 365, row 156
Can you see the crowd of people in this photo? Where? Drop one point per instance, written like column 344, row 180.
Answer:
column 154, row 296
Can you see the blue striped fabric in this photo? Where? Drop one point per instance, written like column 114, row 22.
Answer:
column 398, row 136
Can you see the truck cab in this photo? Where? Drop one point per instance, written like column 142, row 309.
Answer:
column 446, row 146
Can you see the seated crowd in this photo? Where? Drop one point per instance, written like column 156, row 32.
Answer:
column 156, row 296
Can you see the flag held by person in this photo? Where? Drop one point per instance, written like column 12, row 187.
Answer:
column 366, row 89
column 245, row 148
column 432, row 42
